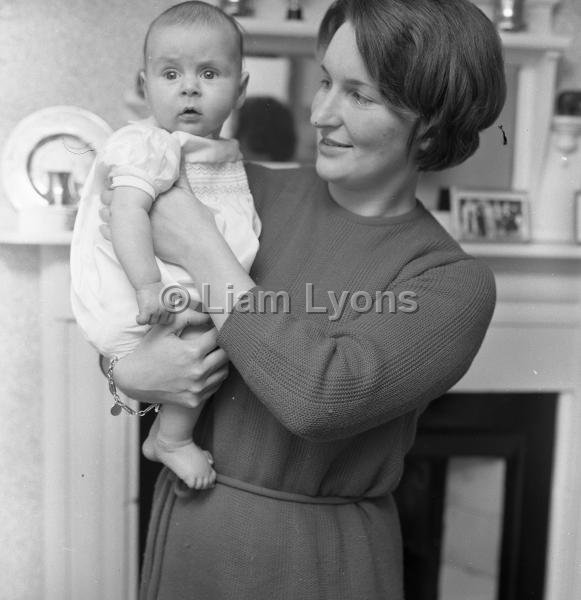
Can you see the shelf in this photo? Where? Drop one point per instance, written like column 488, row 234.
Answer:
column 48, row 238
column 297, row 38
column 534, row 42
column 278, row 38
column 491, row 249
column 262, row 27
column 524, row 250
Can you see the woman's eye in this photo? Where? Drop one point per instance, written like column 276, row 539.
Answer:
column 171, row 75
column 325, row 84
column 360, row 99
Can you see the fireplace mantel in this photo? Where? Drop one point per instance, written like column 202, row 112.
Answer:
column 91, row 459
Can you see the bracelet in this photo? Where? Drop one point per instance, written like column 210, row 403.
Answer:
column 118, row 404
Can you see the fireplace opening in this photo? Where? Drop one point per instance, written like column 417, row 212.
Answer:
column 473, row 500
column 474, row 497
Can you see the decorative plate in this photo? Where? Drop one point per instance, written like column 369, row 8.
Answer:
column 48, row 155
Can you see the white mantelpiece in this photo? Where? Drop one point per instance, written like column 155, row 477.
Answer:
column 90, row 469
column 91, row 458
column 534, row 345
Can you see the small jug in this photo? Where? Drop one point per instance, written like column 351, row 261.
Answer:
column 61, row 189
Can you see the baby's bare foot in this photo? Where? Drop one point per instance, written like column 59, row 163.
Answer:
column 190, row 463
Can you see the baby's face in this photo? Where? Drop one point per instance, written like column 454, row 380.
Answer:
column 193, row 77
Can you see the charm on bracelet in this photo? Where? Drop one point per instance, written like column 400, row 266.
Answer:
column 118, row 405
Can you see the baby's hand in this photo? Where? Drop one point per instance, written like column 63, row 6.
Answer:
column 151, row 309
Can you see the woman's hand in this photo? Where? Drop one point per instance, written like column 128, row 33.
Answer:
column 182, row 226
column 168, row 369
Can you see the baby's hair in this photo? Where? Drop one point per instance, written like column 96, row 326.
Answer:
column 194, row 13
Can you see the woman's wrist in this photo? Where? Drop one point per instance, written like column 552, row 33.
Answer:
column 119, row 405
column 123, row 375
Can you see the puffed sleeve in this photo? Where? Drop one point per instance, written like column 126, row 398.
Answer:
column 373, row 369
column 147, row 158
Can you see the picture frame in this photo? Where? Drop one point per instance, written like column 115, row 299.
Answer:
column 490, row 215
column 48, row 155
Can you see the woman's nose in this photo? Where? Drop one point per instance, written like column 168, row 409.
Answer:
column 325, row 110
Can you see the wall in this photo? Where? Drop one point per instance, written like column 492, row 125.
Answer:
column 568, row 22
column 76, row 52
column 83, row 53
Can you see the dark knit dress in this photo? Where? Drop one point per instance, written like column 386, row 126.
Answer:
column 310, row 430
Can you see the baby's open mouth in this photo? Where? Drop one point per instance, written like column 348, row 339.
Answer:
column 190, row 111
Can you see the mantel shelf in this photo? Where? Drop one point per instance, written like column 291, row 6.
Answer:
column 530, row 250
column 534, row 42
column 494, row 250
column 279, row 29
column 298, row 38
column 47, row 238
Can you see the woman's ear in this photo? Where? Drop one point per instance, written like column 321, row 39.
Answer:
column 423, row 134
column 242, row 90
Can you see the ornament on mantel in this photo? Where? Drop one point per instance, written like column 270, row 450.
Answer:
column 238, row 8
column 294, row 10
column 508, row 15
column 553, row 212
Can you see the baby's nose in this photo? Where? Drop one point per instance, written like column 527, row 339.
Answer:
column 190, row 86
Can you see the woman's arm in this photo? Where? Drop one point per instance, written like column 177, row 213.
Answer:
column 372, row 368
column 185, row 233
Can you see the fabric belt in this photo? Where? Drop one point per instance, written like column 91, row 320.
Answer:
column 182, row 491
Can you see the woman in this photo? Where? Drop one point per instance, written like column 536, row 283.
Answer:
column 384, row 312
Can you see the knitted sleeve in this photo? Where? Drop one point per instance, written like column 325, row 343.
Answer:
column 372, row 368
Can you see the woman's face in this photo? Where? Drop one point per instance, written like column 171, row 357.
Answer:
column 362, row 143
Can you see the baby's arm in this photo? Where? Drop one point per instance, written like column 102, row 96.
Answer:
column 132, row 241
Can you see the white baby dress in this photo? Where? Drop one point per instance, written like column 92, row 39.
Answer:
column 147, row 157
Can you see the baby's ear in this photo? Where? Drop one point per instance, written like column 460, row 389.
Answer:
column 242, row 89
column 141, row 87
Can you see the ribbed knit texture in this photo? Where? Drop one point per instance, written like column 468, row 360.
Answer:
column 320, row 407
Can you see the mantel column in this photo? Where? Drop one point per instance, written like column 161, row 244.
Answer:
column 90, row 459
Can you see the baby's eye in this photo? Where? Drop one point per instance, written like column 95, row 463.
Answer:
column 209, row 74
column 171, row 74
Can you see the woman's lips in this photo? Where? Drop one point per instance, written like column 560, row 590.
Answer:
column 333, row 143
column 330, row 147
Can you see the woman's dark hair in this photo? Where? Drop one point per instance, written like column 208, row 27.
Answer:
column 438, row 59
column 266, row 128
column 193, row 13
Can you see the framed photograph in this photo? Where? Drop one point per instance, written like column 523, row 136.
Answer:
column 490, row 216
column 48, row 155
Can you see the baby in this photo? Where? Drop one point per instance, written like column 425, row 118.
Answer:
column 193, row 79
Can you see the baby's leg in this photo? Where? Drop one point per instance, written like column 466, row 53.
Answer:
column 170, row 442
column 170, row 439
